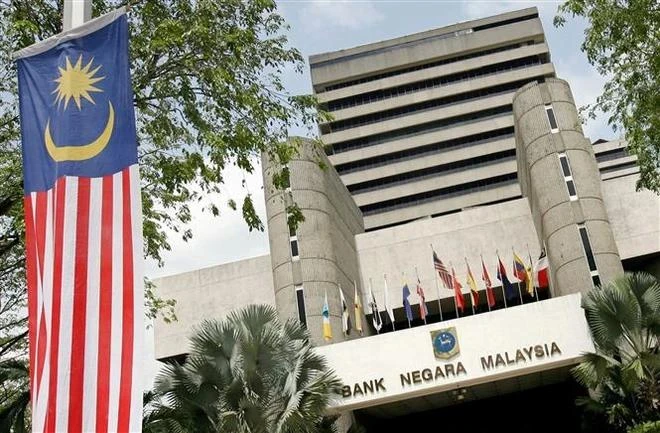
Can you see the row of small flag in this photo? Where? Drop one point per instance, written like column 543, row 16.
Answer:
column 531, row 276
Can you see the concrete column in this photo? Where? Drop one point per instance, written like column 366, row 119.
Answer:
column 556, row 216
column 326, row 240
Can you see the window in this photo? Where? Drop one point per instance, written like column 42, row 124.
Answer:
column 300, row 298
column 293, row 240
column 568, row 176
column 294, row 249
column 551, row 118
column 591, row 261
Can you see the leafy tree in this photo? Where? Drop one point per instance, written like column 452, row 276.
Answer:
column 14, row 396
column 624, row 371
column 622, row 40
column 248, row 373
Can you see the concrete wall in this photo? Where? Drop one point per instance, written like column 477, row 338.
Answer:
column 398, row 250
column 326, row 239
column 423, row 50
column 555, row 215
column 209, row 293
column 634, row 217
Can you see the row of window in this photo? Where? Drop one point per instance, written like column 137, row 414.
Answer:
column 420, row 107
column 422, row 128
column 430, row 172
column 379, row 95
column 440, row 194
column 422, row 151
column 426, row 65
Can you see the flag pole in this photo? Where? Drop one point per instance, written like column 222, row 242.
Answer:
column 437, row 285
column 499, row 261
column 483, row 266
column 421, row 300
column 76, row 13
column 471, row 294
column 387, row 307
column 531, row 268
column 371, row 292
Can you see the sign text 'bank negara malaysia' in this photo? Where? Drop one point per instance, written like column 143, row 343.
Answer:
column 448, row 346
column 523, row 340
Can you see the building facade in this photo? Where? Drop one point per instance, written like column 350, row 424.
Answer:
column 462, row 141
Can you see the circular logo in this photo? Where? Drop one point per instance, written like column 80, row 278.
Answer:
column 444, row 342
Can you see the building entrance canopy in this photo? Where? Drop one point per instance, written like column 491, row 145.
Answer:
column 461, row 353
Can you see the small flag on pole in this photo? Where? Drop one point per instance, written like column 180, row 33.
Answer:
column 509, row 290
column 345, row 315
column 406, row 303
column 490, row 293
column 327, row 330
column 375, row 313
column 445, row 276
column 521, row 272
column 473, row 285
column 423, row 311
column 358, row 310
column 388, row 307
column 458, row 294
column 541, row 271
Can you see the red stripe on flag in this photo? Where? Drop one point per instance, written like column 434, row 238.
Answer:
column 105, row 308
column 126, row 375
column 31, row 276
column 40, row 230
column 79, row 308
column 58, row 235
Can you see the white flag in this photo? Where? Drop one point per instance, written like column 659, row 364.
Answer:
column 345, row 316
column 375, row 313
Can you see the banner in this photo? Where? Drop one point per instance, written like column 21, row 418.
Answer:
column 83, row 224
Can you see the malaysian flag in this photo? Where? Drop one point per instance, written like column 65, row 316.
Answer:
column 445, row 276
column 83, row 230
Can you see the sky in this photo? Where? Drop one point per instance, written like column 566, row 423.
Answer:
column 318, row 26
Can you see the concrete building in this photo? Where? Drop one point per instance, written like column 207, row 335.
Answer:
column 459, row 140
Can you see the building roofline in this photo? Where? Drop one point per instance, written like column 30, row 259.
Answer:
column 361, row 49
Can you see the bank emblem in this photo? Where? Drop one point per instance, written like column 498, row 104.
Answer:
column 445, row 343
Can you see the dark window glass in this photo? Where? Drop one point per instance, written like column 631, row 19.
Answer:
column 294, row 248
column 292, row 231
column 571, row 188
column 564, row 165
column 551, row 117
column 596, row 280
column 301, row 306
column 587, row 249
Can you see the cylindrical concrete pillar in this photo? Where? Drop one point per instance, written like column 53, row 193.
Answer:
column 559, row 175
column 326, row 253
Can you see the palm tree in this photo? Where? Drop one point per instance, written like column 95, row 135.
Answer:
column 624, row 371
column 252, row 373
column 14, row 396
